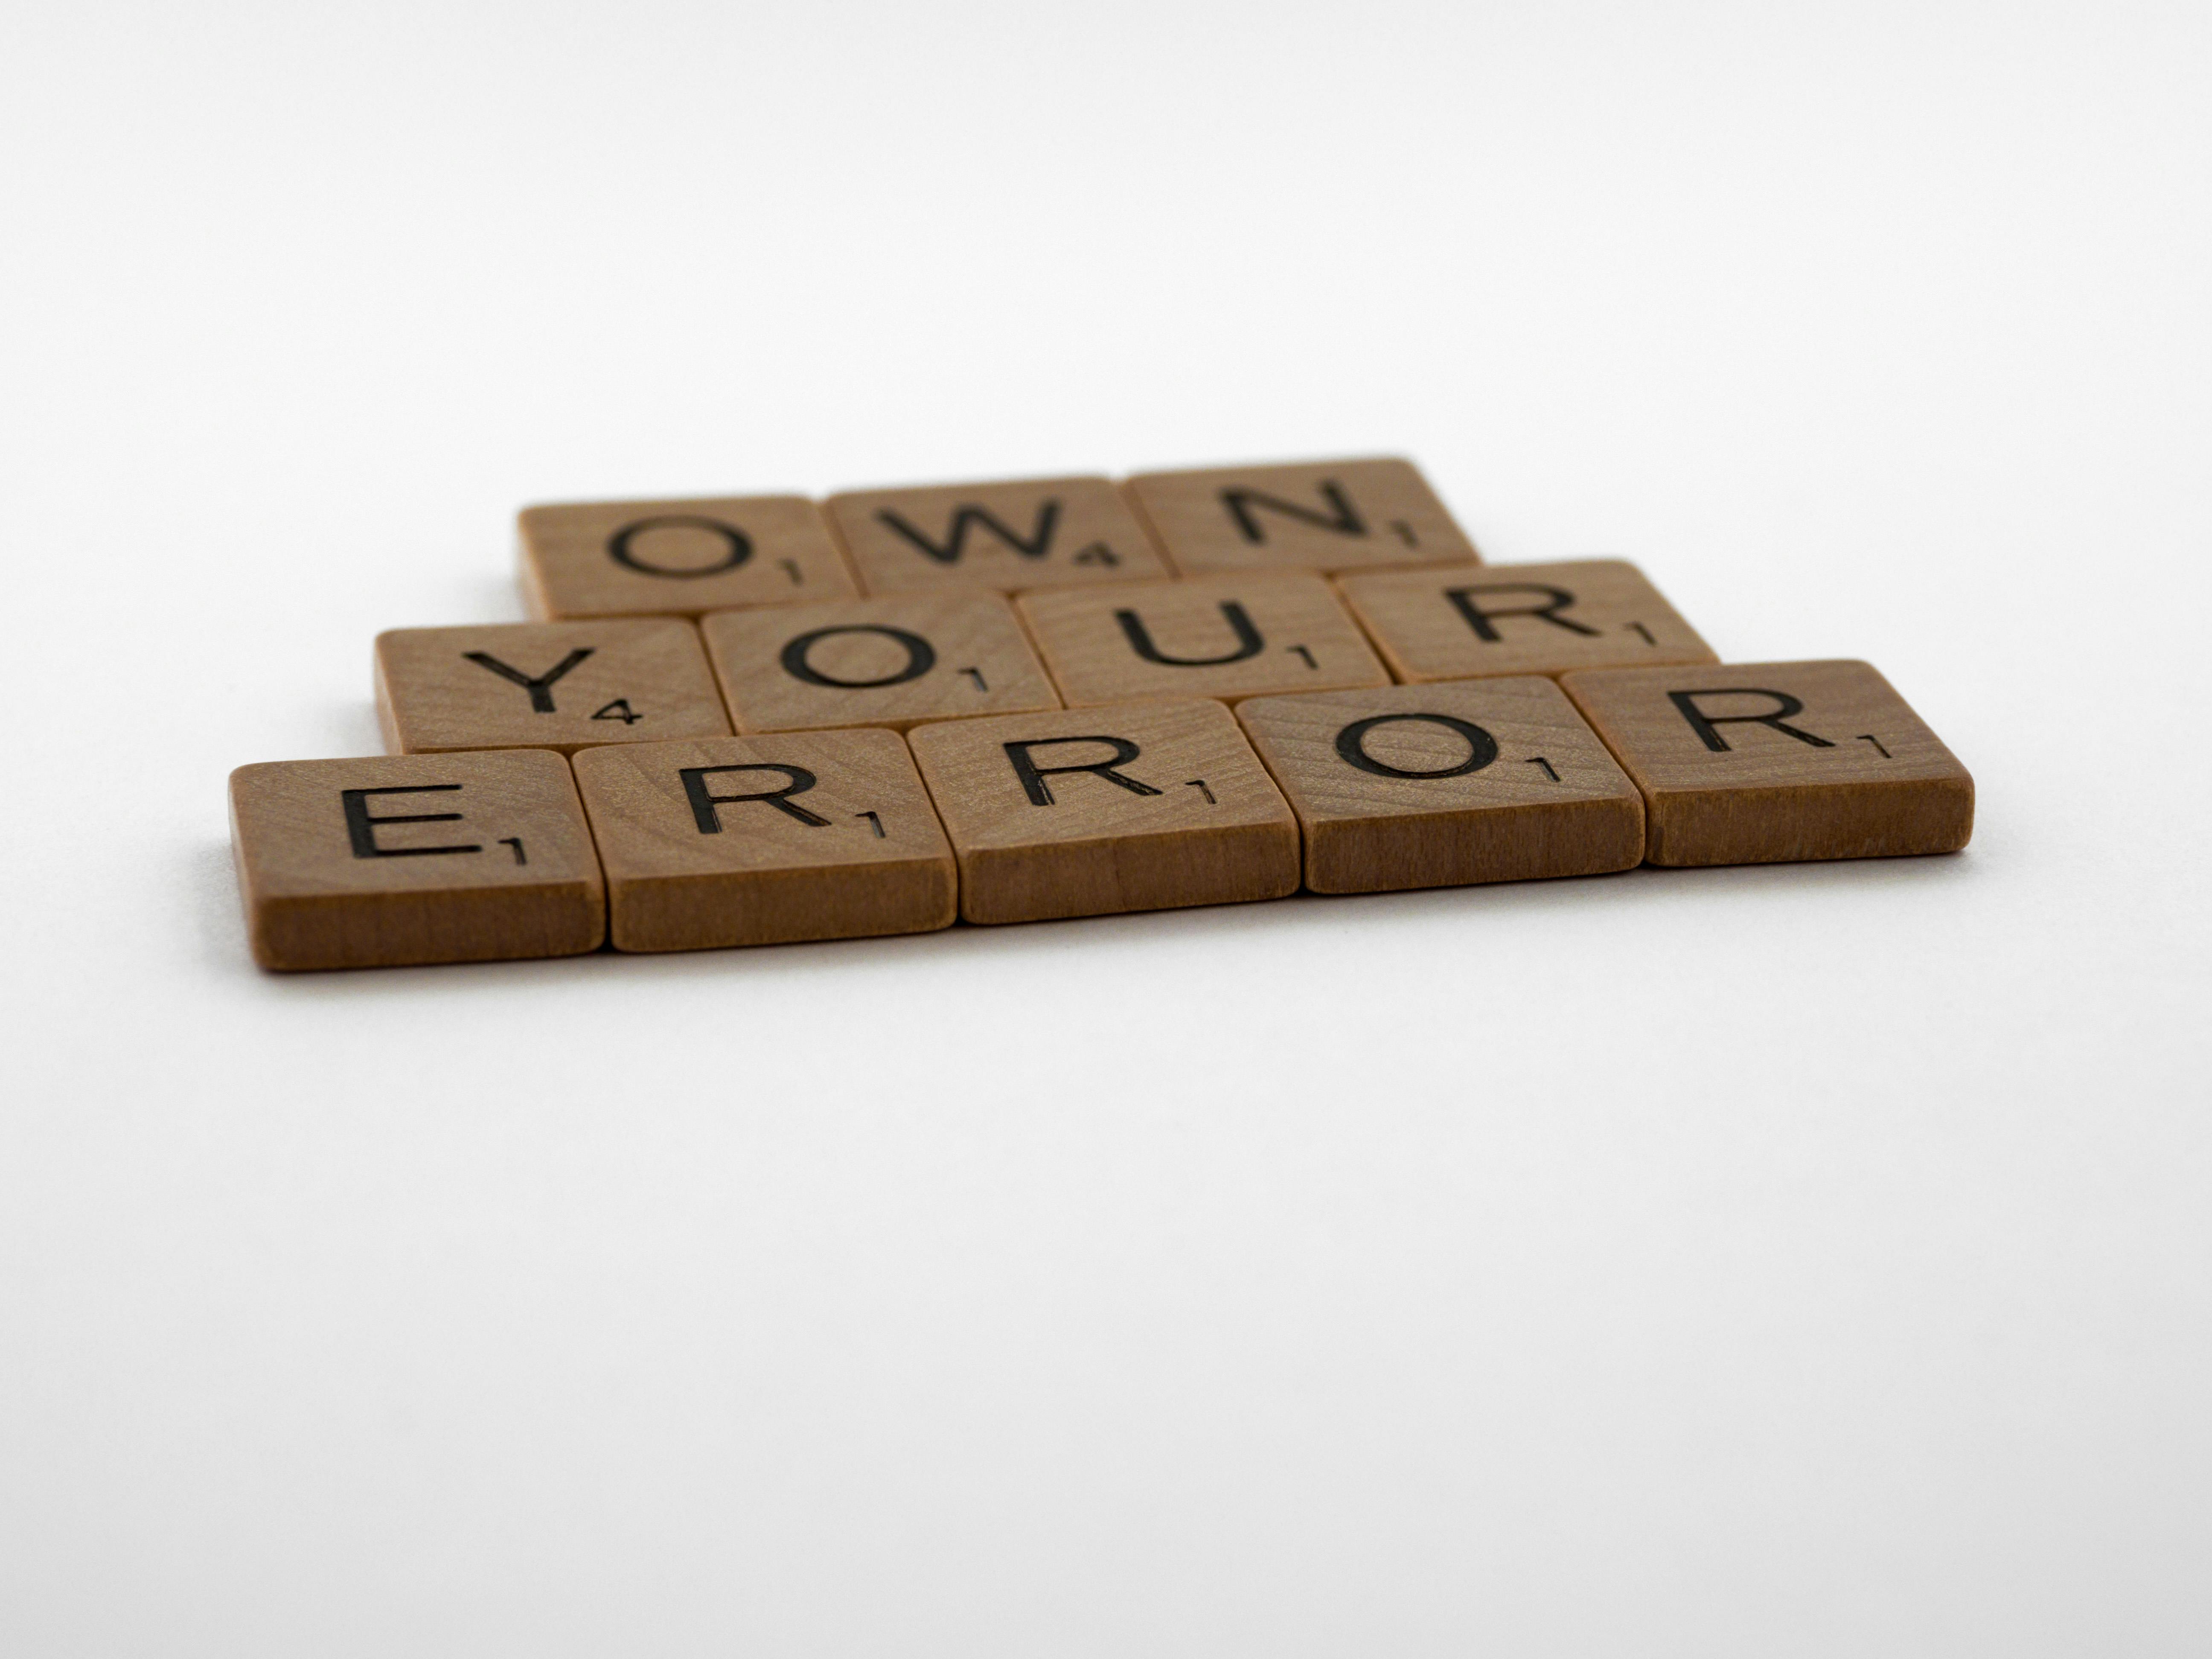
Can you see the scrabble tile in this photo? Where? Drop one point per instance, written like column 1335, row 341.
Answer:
column 1145, row 806
column 1441, row 786
column 391, row 859
column 1520, row 619
column 890, row 662
column 766, row 840
column 679, row 558
column 1315, row 515
column 1035, row 533
column 545, row 685
column 1759, row 762
column 1213, row 636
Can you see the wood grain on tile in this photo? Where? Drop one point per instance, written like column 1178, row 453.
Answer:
column 1373, row 514
column 1006, row 537
column 1442, row 786
column 1144, row 807
column 392, row 859
column 1761, row 762
column 678, row 558
column 1211, row 636
column 766, row 840
column 889, row 662
column 1520, row 619
column 545, row 685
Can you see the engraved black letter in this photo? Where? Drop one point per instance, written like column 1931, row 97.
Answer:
column 704, row 806
column 1033, row 776
column 1707, row 725
column 1478, row 619
column 1352, row 746
column 1248, row 642
column 541, row 688
column 361, row 828
column 920, row 657
column 739, row 546
column 1345, row 521
column 965, row 517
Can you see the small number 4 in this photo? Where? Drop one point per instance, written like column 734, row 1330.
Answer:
column 619, row 709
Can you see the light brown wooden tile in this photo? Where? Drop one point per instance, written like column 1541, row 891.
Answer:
column 1520, row 619
column 766, row 840
column 1213, row 636
column 1442, row 786
column 1033, row 533
column 677, row 558
column 1378, row 514
column 391, row 859
column 1760, row 763
column 1145, row 806
column 545, row 685
column 889, row 662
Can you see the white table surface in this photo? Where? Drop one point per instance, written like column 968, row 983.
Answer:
column 1807, row 1260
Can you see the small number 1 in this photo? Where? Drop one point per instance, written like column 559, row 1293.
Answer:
column 976, row 675
column 515, row 842
column 874, row 822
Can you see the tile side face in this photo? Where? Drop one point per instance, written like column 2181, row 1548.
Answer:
column 1447, row 785
column 385, row 861
column 1766, row 762
column 680, row 558
column 1521, row 619
column 1329, row 516
column 1213, row 636
column 766, row 840
column 1091, row 812
column 545, row 685
column 1005, row 537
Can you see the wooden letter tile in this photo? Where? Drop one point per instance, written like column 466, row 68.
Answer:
column 1520, row 619
column 1038, row 532
column 1145, row 806
column 1317, row 515
column 677, row 558
column 392, row 859
column 766, row 840
column 1440, row 786
column 1760, row 763
column 1214, row 636
column 889, row 662
column 545, row 685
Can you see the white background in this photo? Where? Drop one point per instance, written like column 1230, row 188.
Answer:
column 1808, row 1260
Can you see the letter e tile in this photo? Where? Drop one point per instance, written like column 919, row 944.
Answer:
column 393, row 860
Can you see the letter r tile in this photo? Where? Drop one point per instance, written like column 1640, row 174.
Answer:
column 393, row 860
column 766, row 840
column 1762, row 762
column 1520, row 619
column 1138, row 806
